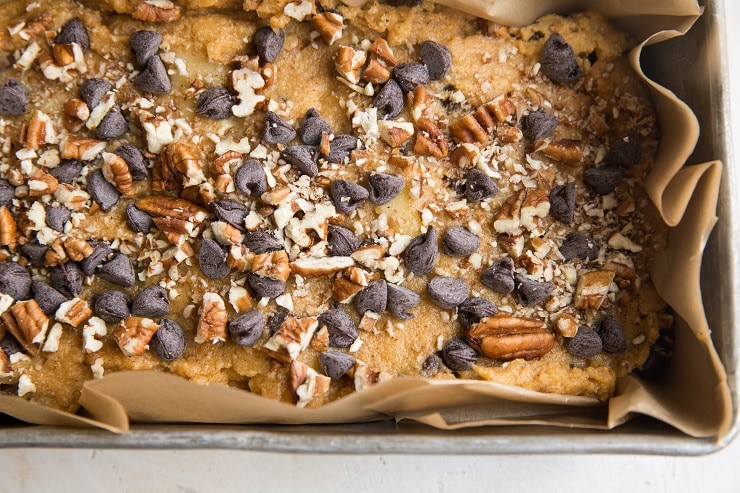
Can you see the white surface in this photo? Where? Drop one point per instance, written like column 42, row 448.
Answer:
column 214, row 471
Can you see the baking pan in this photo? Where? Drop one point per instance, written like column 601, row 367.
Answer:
column 694, row 67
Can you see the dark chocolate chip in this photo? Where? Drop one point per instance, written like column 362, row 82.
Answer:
column 276, row 319
column 230, row 211
column 302, row 157
column 401, row 300
column 112, row 306
column 168, row 342
column 473, row 310
column 563, row 202
column 625, row 152
column 7, row 193
column 612, row 336
column 102, row 252
column 67, row 171
column 268, row 43
column 532, row 292
column 35, row 253
column 67, row 279
column 447, row 292
column 151, row 302
column 260, row 242
column 137, row 163
column 373, row 298
column 113, row 125
column 410, row 75
column 335, row 364
column 246, row 329
column 47, row 297
column 347, row 196
column 277, row 130
column 93, row 90
column 118, row 271
column 341, row 328
column 312, row 128
column 458, row 241
column 384, row 187
column 56, row 217
column 500, row 276
column 479, row 186
column 212, row 259
column 538, row 125
column 342, row 242
column 265, row 287
column 340, row 147
column 102, row 191
column 215, row 102
column 579, row 246
column 421, row 254
column 10, row 345
column 250, row 179
column 559, row 62
column 73, row 31
column 431, row 366
column 138, row 220
column 604, row 179
column 585, row 344
column 145, row 45
column 389, row 100
column 437, row 58
column 660, row 353
column 13, row 98
column 153, row 77
column 458, row 356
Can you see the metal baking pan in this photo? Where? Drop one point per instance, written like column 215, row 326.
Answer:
column 694, row 66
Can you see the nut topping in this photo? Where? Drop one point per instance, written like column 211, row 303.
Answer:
column 80, row 148
column 28, row 324
column 8, row 227
column 592, row 289
column 429, row 140
column 156, row 11
column 503, row 337
column 116, row 172
column 293, row 337
column 274, row 265
column 212, row 320
column 176, row 167
column 329, row 25
column 73, row 312
column 315, row 267
column 133, row 335
column 307, row 382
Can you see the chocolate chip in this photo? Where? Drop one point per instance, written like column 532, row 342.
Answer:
column 10, row 345
column 341, row 328
column 151, row 302
column 112, row 126
column 421, row 254
column 302, row 157
column 276, row 319
column 532, row 292
column 153, row 77
column 277, row 130
column 67, row 171
column 112, row 306
column 138, row 220
column 13, row 98
column 212, row 259
column 47, row 297
column 215, row 102
column 437, row 58
column 145, row 45
column 660, row 353
column 93, row 90
column 612, row 336
column 340, row 147
column 246, row 329
column 374, row 298
column 101, row 191
column 585, row 344
column 479, row 186
column 389, row 100
column 7, row 193
column 67, row 279
column 401, row 300
column 563, row 202
column 458, row 356
column 118, row 270
column 347, row 196
column 268, row 43
column 458, row 241
column 625, row 152
column 558, row 61
column 230, row 211
column 384, row 187
column 342, row 242
column 101, row 253
column 579, row 246
column 250, row 179
column 431, row 366
column 604, row 179
column 447, row 292
column 499, row 277
column 56, row 217
column 168, row 342
column 311, row 129
column 335, row 364
column 73, row 31
column 410, row 75
column 260, row 242
column 137, row 163
column 473, row 310
column 35, row 253
column 265, row 287
column 538, row 125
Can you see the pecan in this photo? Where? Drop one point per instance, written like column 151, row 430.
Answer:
column 624, row 273
column 176, row 167
column 73, row 312
column 37, row 26
column 478, row 126
column 507, row 134
column 507, row 219
column 39, row 131
column 225, row 184
column 375, row 72
column 80, row 148
column 133, row 335
column 365, row 377
column 42, row 183
column 116, row 172
column 239, row 258
column 156, row 11
column 8, row 227
column 77, row 249
column 71, row 196
column 226, row 163
column 344, row 290
column 226, row 234
column 369, row 256
column 429, row 140
column 77, row 108
column 592, row 288
column 567, row 325
column 202, row 194
column 27, row 323
column 329, row 25
column 349, row 62
column 504, row 337
column 381, row 50
column 173, row 215
column 536, row 204
column 566, row 151
column 315, row 267
column 465, row 155
column 320, row 340
column 240, row 299
column 291, row 338
column 56, row 254
column 395, row 133
column 63, row 54
column 212, row 319
column 307, row 383
column 274, row 265
column 417, row 101
column 368, row 321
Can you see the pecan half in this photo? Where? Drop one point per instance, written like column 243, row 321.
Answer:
column 566, row 151
column 503, row 337
column 133, row 334
column 173, row 215
column 478, row 126
column 116, row 172
column 27, row 323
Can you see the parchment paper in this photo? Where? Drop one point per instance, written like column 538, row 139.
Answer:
column 693, row 395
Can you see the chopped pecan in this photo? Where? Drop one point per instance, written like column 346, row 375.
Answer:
column 8, row 227
column 566, row 151
column 42, row 183
column 395, row 133
column 369, row 256
column 73, row 312
column 315, row 267
column 39, row 131
column 212, row 319
column 274, row 265
column 56, row 254
column 226, row 234
column 156, row 11
column 27, row 323
column 329, row 25
column 429, row 139
column 226, row 163
column 116, row 172
column 365, row 377
column 375, row 72
column 71, row 196
column 381, row 50
column 320, row 340
column 465, row 155
column 63, row 54
column 507, row 220
column 349, row 62
column 77, row 249
column 624, row 273
column 81, row 148
column 307, row 383
column 567, row 325
column 173, row 215
column 504, row 337
column 176, row 167
column 133, row 334
column 592, row 288
column 291, row 338
column 536, row 204
column 344, row 290
column 418, row 101
column 77, row 109
column 478, row 126
column 239, row 258
column 507, row 134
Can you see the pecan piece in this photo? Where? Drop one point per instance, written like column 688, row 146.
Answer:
column 212, row 320
column 8, row 227
column 478, row 126
column 429, row 140
column 291, row 338
column 307, row 383
column 173, row 215
column 349, row 62
column 503, row 337
column 329, row 25
column 116, row 172
column 133, row 335
column 73, row 312
column 274, row 265
column 27, row 322
column 77, row 249
column 315, row 267
column 80, row 148
column 156, row 11
column 592, row 288
column 177, row 167
column 566, row 151
column 42, row 183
